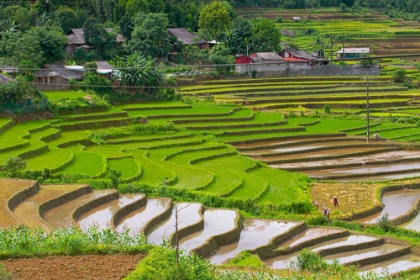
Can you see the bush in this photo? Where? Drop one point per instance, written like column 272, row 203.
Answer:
column 309, row 261
column 161, row 264
column 90, row 101
column 399, row 75
column 14, row 167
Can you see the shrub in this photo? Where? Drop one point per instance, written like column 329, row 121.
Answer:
column 309, row 261
column 14, row 166
column 385, row 224
column 399, row 75
column 254, row 73
column 279, row 19
column 161, row 264
column 327, row 109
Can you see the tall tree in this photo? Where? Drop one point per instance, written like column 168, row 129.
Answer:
column 150, row 35
column 214, row 18
column 265, row 35
column 239, row 37
column 137, row 74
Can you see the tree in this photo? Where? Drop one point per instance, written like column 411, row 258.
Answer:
column 67, row 19
column 399, row 75
column 14, row 166
column 105, row 42
column 18, row 46
column 239, row 37
column 150, row 35
column 51, row 40
column 220, row 55
column 265, row 35
column 136, row 6
column 213, row 19
column 136, row 74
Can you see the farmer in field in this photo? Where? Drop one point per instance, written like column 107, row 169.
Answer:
column 316, row 204
column 335, row 201
column 165, row 182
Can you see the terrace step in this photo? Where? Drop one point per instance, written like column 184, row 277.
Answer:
column 343, row 244
column 369, row 255
column 214, row 232
column 12, row 191
column 29, row 210
column 101, row 216
column 61, row 216
column 255, row 233
column 187, row 216
column 137, row 221
column 392, row 266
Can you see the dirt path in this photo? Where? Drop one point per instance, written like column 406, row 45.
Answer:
column 73, row 267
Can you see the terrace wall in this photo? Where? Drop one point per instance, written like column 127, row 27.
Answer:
column 299, row 69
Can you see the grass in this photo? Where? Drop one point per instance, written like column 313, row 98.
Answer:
column 64, row 94
column 283, row 186
column 51, row 160
column 127, row 166
column 88, row 164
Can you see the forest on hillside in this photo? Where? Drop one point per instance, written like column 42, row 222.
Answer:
column 33, row 33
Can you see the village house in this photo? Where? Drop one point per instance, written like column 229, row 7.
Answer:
column 352, row 52
column 5, row 79
column 186, row 37
column 55, row 76
column 76, row 39
column 301, row 57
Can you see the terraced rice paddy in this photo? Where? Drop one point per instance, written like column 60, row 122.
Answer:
column 216, row 234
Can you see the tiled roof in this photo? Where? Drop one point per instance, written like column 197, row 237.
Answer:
column 183, row 35
column 53, row 70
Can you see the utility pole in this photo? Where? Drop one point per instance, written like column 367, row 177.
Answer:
column 367, row 108
column 331, row 53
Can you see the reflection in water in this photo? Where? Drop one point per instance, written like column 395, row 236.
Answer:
column 136, row 220
column 188, row 214
column 396, row 203
column 215, row 222
column 255, row 233
column 100, row 217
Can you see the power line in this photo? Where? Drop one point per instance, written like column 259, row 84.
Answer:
column 11, row 68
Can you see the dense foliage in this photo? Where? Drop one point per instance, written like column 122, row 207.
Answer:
column 17, row 97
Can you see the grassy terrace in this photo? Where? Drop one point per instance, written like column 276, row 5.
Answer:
column 185, row 143
column 361, row 28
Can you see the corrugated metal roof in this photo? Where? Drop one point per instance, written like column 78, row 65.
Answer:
column 354, row 50
column 183, row 35
column 53, row 70
column 76, row 36
column 268, row 56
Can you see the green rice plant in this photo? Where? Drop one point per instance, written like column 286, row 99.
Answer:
column 252, row 186
column 64, row 94
column 287, row 187
column 86, row 164
column 187, row 176
column 52, row 160
column 198, row 110
column 127, row 166
column 152, row 172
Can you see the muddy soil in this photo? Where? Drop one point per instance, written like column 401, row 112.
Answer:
column 73, row 267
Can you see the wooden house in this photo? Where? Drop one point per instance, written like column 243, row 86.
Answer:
column 55, row 76
column 76, row 39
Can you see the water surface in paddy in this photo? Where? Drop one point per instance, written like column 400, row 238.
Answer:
column 392, row 266
column 309, row 234
column 9, row 188
column 61, row 216
column 101, row 216
column 136, row 220
column 285, row 261
column 27, row 210
column 216, row 222
column 396, row 203
column 188, row 214
column 357, row 255
column 255, row 233
column 362, row 160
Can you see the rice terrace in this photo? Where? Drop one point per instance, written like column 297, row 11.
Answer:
column 199, row 170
